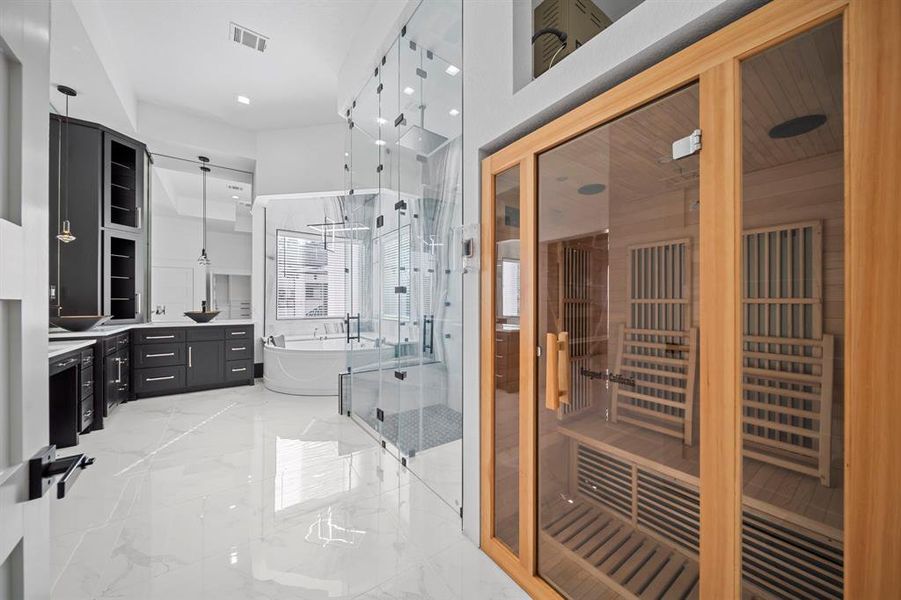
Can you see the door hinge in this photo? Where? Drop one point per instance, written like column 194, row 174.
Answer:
column 380, row 414
column 688, row 145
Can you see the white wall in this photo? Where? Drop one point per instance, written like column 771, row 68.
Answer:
column 303, row 159
column 175, row 242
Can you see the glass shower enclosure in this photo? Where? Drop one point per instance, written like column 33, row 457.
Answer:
column 403, row 155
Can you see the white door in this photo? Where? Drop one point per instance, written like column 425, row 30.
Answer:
column 24, row 135
column 172, row 293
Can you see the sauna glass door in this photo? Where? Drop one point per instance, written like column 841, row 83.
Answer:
column 617, row 322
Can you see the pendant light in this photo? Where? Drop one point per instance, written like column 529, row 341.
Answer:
column 65, row 230
column 204, row 259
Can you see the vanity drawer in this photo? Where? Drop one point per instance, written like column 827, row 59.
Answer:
column 159, row 355
column 87, row 412
column 87, row 382
column 115, row 343
column 239, row 332
column 87, row 358
column 239, row 370
column 159, row 379
column 159, row 336
column 241, row 349
column 61, row 363
column 205, row 334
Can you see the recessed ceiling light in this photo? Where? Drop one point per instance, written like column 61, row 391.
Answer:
column 381, row 120
column 453, row 112
column 451, row 70
column 380, row 142
column 234, row 197
column 592, row 188
column 409, row 91
column 797, row 126
column 243, row 100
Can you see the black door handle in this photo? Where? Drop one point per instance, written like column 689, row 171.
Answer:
column 44, row 465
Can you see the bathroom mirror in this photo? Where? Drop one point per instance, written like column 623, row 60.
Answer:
column 178, row 282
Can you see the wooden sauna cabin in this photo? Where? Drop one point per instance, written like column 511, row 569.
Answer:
column 681, row 341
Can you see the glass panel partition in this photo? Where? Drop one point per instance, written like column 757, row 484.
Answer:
column 617, row 320
column 793, row 288
column 416, row 288
column 507, row 236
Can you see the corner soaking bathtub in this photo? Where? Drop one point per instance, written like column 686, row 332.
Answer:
column 310, row 367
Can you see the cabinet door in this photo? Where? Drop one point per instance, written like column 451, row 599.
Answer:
column 77, row 280
column 124, row 269
column 123, row 183
column 206, row 363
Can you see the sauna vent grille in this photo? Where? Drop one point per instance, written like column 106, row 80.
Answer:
column 669, row 509
column 606, row 480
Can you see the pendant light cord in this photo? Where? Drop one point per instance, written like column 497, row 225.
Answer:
column 67, row 157
column 204, row 213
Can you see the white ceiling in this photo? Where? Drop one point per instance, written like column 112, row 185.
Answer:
column 180, row 55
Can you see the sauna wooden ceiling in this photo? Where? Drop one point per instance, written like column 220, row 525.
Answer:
column 632, row 155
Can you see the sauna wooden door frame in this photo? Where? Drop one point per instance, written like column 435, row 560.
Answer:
column 872, row 126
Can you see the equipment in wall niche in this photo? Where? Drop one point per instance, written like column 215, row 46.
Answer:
column 205, row 314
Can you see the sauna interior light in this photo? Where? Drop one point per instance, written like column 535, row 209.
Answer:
column 453, row 112
column 797, row 126
column 243, row 100
column 452, row 70
column 590, row 189
column 409, row 91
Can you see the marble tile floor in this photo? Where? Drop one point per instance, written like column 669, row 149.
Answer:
column 248, row 494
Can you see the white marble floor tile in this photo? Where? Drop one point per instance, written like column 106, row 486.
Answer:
column 248, row 494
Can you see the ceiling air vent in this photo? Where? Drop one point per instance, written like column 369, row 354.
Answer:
column 245, row 37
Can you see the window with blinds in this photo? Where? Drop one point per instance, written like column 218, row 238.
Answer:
column 396, row 269
column 311, row 282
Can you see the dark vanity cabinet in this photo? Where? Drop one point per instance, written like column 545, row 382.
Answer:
column 102, row 176
column 116, row 371
column 71, row 396
column 170, row 360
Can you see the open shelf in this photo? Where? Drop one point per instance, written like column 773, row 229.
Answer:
column 123, row 198
column 121, row 277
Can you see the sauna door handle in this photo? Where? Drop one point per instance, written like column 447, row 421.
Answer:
column 557, row 379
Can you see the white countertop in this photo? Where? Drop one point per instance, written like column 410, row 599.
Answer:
column 57, row 333
column 55, row 349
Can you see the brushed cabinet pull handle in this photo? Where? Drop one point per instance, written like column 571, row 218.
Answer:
column 161, row 354
column 159, row 337
column 167, row 378
column 239, row 332
column 119, row 375
column 239, row 370
column 239, row 349
column 189, row 357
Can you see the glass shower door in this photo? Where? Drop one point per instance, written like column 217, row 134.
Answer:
column 428, row 148
column 362, row 323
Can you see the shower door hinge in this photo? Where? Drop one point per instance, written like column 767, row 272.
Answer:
column 400, row 120
column 688, row 145
column 400, row 205
column 461, row 512
column 400, row 375
column 380, row 414
column 379, row 221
